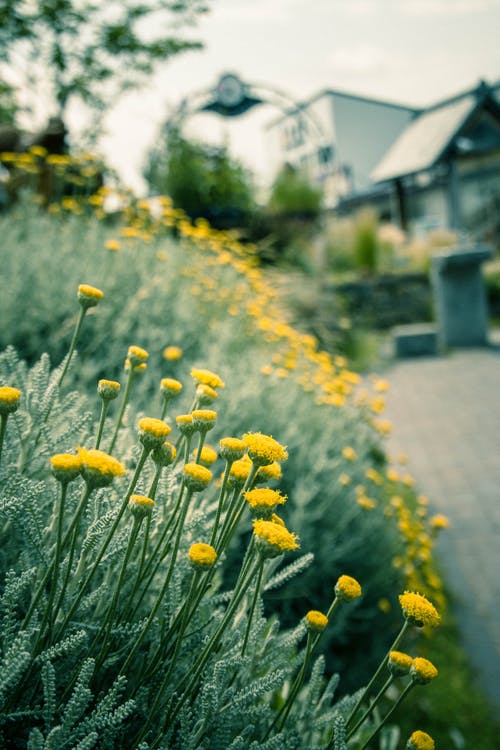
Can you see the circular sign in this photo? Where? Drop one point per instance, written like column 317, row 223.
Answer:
column 230, row 91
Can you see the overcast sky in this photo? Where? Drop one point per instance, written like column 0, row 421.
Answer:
column 409, row 51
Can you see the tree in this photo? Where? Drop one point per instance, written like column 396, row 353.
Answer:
column 92, row 50
column 293, row 194
column 202, row 179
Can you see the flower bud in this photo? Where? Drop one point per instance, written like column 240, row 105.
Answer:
column 89, row 296
column 202, row 556
column 65, row 467
column 152, row 432
column 108, row 389
column 9, row 399
column 164, row 454
column 140, row 505
column 347, row 588
column 196, row 477
column 315, row 621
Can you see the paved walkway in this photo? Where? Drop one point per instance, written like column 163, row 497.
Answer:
column 446, row 417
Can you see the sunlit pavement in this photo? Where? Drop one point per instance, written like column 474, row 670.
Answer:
column 446, row 418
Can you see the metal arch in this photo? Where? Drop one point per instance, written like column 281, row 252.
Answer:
column 206, row 99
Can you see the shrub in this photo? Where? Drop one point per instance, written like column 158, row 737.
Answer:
column 202, row 296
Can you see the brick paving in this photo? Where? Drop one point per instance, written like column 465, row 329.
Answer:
column 446, row 417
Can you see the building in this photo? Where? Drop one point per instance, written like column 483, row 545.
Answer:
column 337, row 139
column 423, row 169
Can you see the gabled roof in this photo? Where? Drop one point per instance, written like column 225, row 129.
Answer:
column 425, row 140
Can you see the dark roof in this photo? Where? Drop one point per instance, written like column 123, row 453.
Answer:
column 424, row 141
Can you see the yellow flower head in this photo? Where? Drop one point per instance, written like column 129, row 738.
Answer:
column 164, row 454
column 65, row 466
column 344, row 479
column 420, row 741
column 196, row 477
column 185, row 424
column 239, row 472
column 347, row 588
column 113, row 245
column 172, row 353
column 418, row 610
column 269, row 472
column 137, row 356
column 231, row 448
column 9, row 399
column 202, row 556
column 264, row 449
column 152, row 432
column 273, row 539
column 399, row 663
column 422, row 671
column 315, row 621
column 204, row 419
column 170, row 387
column 349, row 453
column 108, row 389
column 208, row 455
column 89, row 296
column 264, row 499
column 140, row 505
column 99, row 468
column 439, row 522
column 206, row 395
column 140, row 368
column 207, row 378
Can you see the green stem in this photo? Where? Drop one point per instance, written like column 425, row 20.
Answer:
column 203, row 435
column 211, row 646
column 378, row 671
column 220, row 502
column 258, row 585
column 388, row 714
column 49, row 616
column 159, row 599
column 104, row 546
column 3, row 427
column 104, row 409
column 125, row 399
column 297, row 684
column 370, row 708
column 108, row 622
column 73, row 344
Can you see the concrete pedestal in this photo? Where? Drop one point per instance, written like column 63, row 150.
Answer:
column 460, row 297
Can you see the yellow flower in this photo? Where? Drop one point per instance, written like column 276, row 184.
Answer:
column 273, row 539
column 344, row 479
column 206, row 394
column 196, row 477
column 152, row 432
column 439, row 521
column 399, row 663
column 316, row 621
column 231, row 449
column 185, row 424
column 366, row 502
column 172, row 353
column 164, row 454
column 418, row 610
column 347, row 588
column 207, row 377
column 269, row 472
column 373, row 474
column 208, row 455
column 137, row 355
column 420, row 741
column 113, row 245
column 204, row 419
column 99, row 468
column 382, row 386
column 9, row 399
column 140, row 505
column 423, row 671
column 349, row 453
column 264, row 498
column 108, row 389
column 264, row 449
column 65, row 466
column 170, row 387
column 89, row 296
column 239, row 472
column 202, row 556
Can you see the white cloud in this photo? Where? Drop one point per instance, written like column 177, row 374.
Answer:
column 448, row 7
